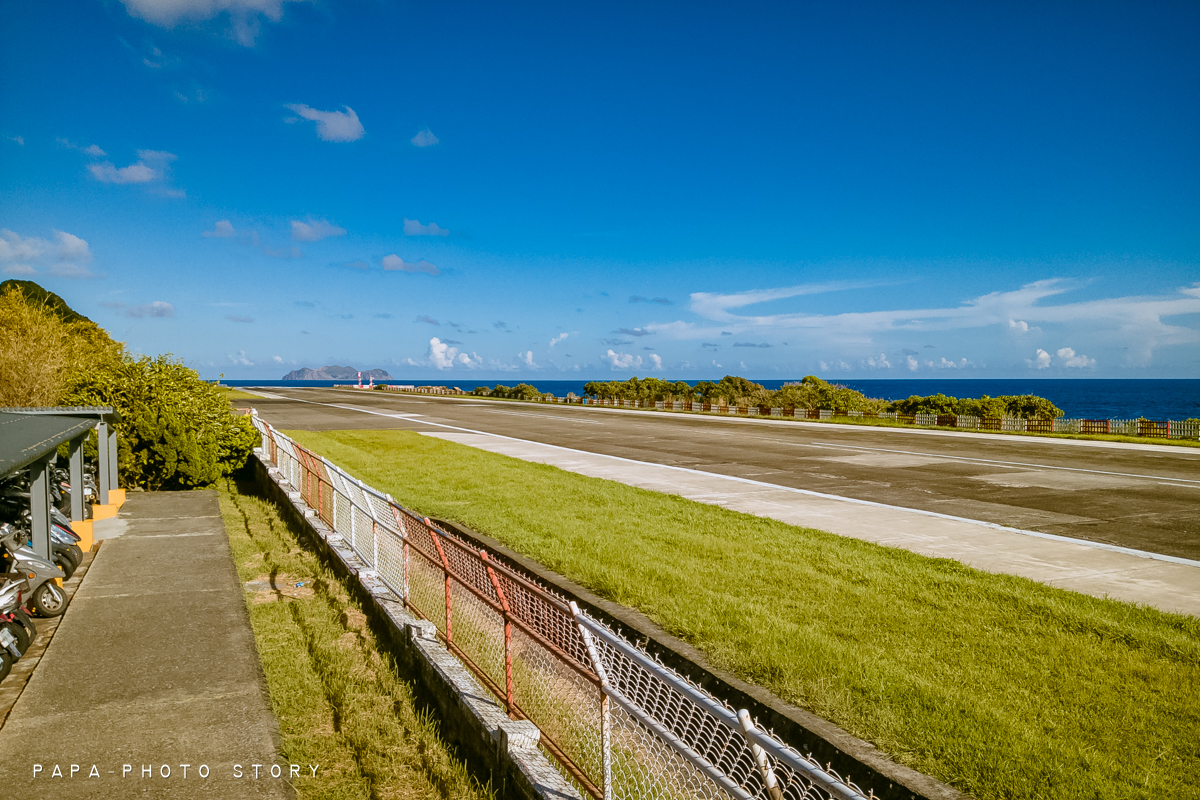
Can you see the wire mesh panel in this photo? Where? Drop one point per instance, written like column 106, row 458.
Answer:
column 618, row 723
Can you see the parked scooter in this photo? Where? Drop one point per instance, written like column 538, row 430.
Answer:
column 19, row 561
column 16, row 628
column 61, row 486
column 14, row 508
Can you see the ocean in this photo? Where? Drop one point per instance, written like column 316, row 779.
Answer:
column 1089, row 398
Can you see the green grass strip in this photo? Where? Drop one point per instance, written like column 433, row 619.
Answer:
column 237, row 394
column 340, row 702
column 998, row 685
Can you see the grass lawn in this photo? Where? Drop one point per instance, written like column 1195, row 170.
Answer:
column 999, row 685
column 339, row 701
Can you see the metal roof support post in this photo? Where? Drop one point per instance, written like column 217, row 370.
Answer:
column 76, row 447
column 104, row 475
column 39, row 505
column 113, row 478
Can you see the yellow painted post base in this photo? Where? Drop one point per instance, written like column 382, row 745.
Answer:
column 116, row 497
column 107, row 511
column 83, row 527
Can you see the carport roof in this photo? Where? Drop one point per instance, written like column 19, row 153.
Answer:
column 24, row 438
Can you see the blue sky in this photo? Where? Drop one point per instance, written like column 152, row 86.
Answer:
column 477, row 192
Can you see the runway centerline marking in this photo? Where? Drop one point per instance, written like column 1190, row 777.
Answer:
column 852, row 500
column 1001, row 463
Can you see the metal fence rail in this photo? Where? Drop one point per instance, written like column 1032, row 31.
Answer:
column 617, row 722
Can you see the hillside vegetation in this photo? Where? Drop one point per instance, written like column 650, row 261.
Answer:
column 175, row 432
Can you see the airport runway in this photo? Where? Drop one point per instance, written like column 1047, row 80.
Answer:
column 1141, row 497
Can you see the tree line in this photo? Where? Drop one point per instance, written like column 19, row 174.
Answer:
column 810, row 393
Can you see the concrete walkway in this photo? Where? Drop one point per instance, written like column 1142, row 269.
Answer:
column 152, row 679
column 1171, row 584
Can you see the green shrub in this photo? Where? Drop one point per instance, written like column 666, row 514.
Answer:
column 522, row 391
column 176, row 430
column 1025, row 406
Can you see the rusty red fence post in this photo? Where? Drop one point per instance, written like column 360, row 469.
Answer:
column 320, row 506
column 508, row 678
column 445, row 567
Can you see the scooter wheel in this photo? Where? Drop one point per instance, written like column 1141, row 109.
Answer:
column 48, row 600
column 6, row 664
column 67, row 564
column 20, row 634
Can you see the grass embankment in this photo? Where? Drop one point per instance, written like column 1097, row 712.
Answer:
column 1001, row 686
column 339, row 701
column 236, row 394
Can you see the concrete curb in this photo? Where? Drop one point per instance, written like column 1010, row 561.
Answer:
column 853, row 758
column 471, row 720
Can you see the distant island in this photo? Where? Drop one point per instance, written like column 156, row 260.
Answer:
column 335, row 373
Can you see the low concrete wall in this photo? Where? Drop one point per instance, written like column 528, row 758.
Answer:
column 852, row 757
column 470, row 719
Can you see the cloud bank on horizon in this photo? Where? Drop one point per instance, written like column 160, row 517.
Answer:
column 617, row 230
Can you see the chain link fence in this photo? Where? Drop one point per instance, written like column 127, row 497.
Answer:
column 615, row 720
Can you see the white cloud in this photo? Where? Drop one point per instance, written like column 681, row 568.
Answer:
column 944, row 364
column 92, row 150
column 879, row 363
column 18, row 139
column 67, row 256
column 1135, row 325
column 558, row 338
column 66, row 270
column 527, row 359
column 222, row 230
column 1041, row 360
column 414, row 227
column 134, row 173
column 1072, row 361
column 394, row 263
column 332, row 126
column 622, row 360
column 158, row 308
column 277, row 359
column 14, row 247
column 1019, row 325
column 244, row 15
column 442, row 356
column 152, row 165
column 911, row 363
column 425, row 139
column 241, row 359
column 72, row 248
column 314, row 230
column 656, row 360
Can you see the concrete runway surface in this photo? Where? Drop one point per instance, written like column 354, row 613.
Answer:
column 926, row 491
